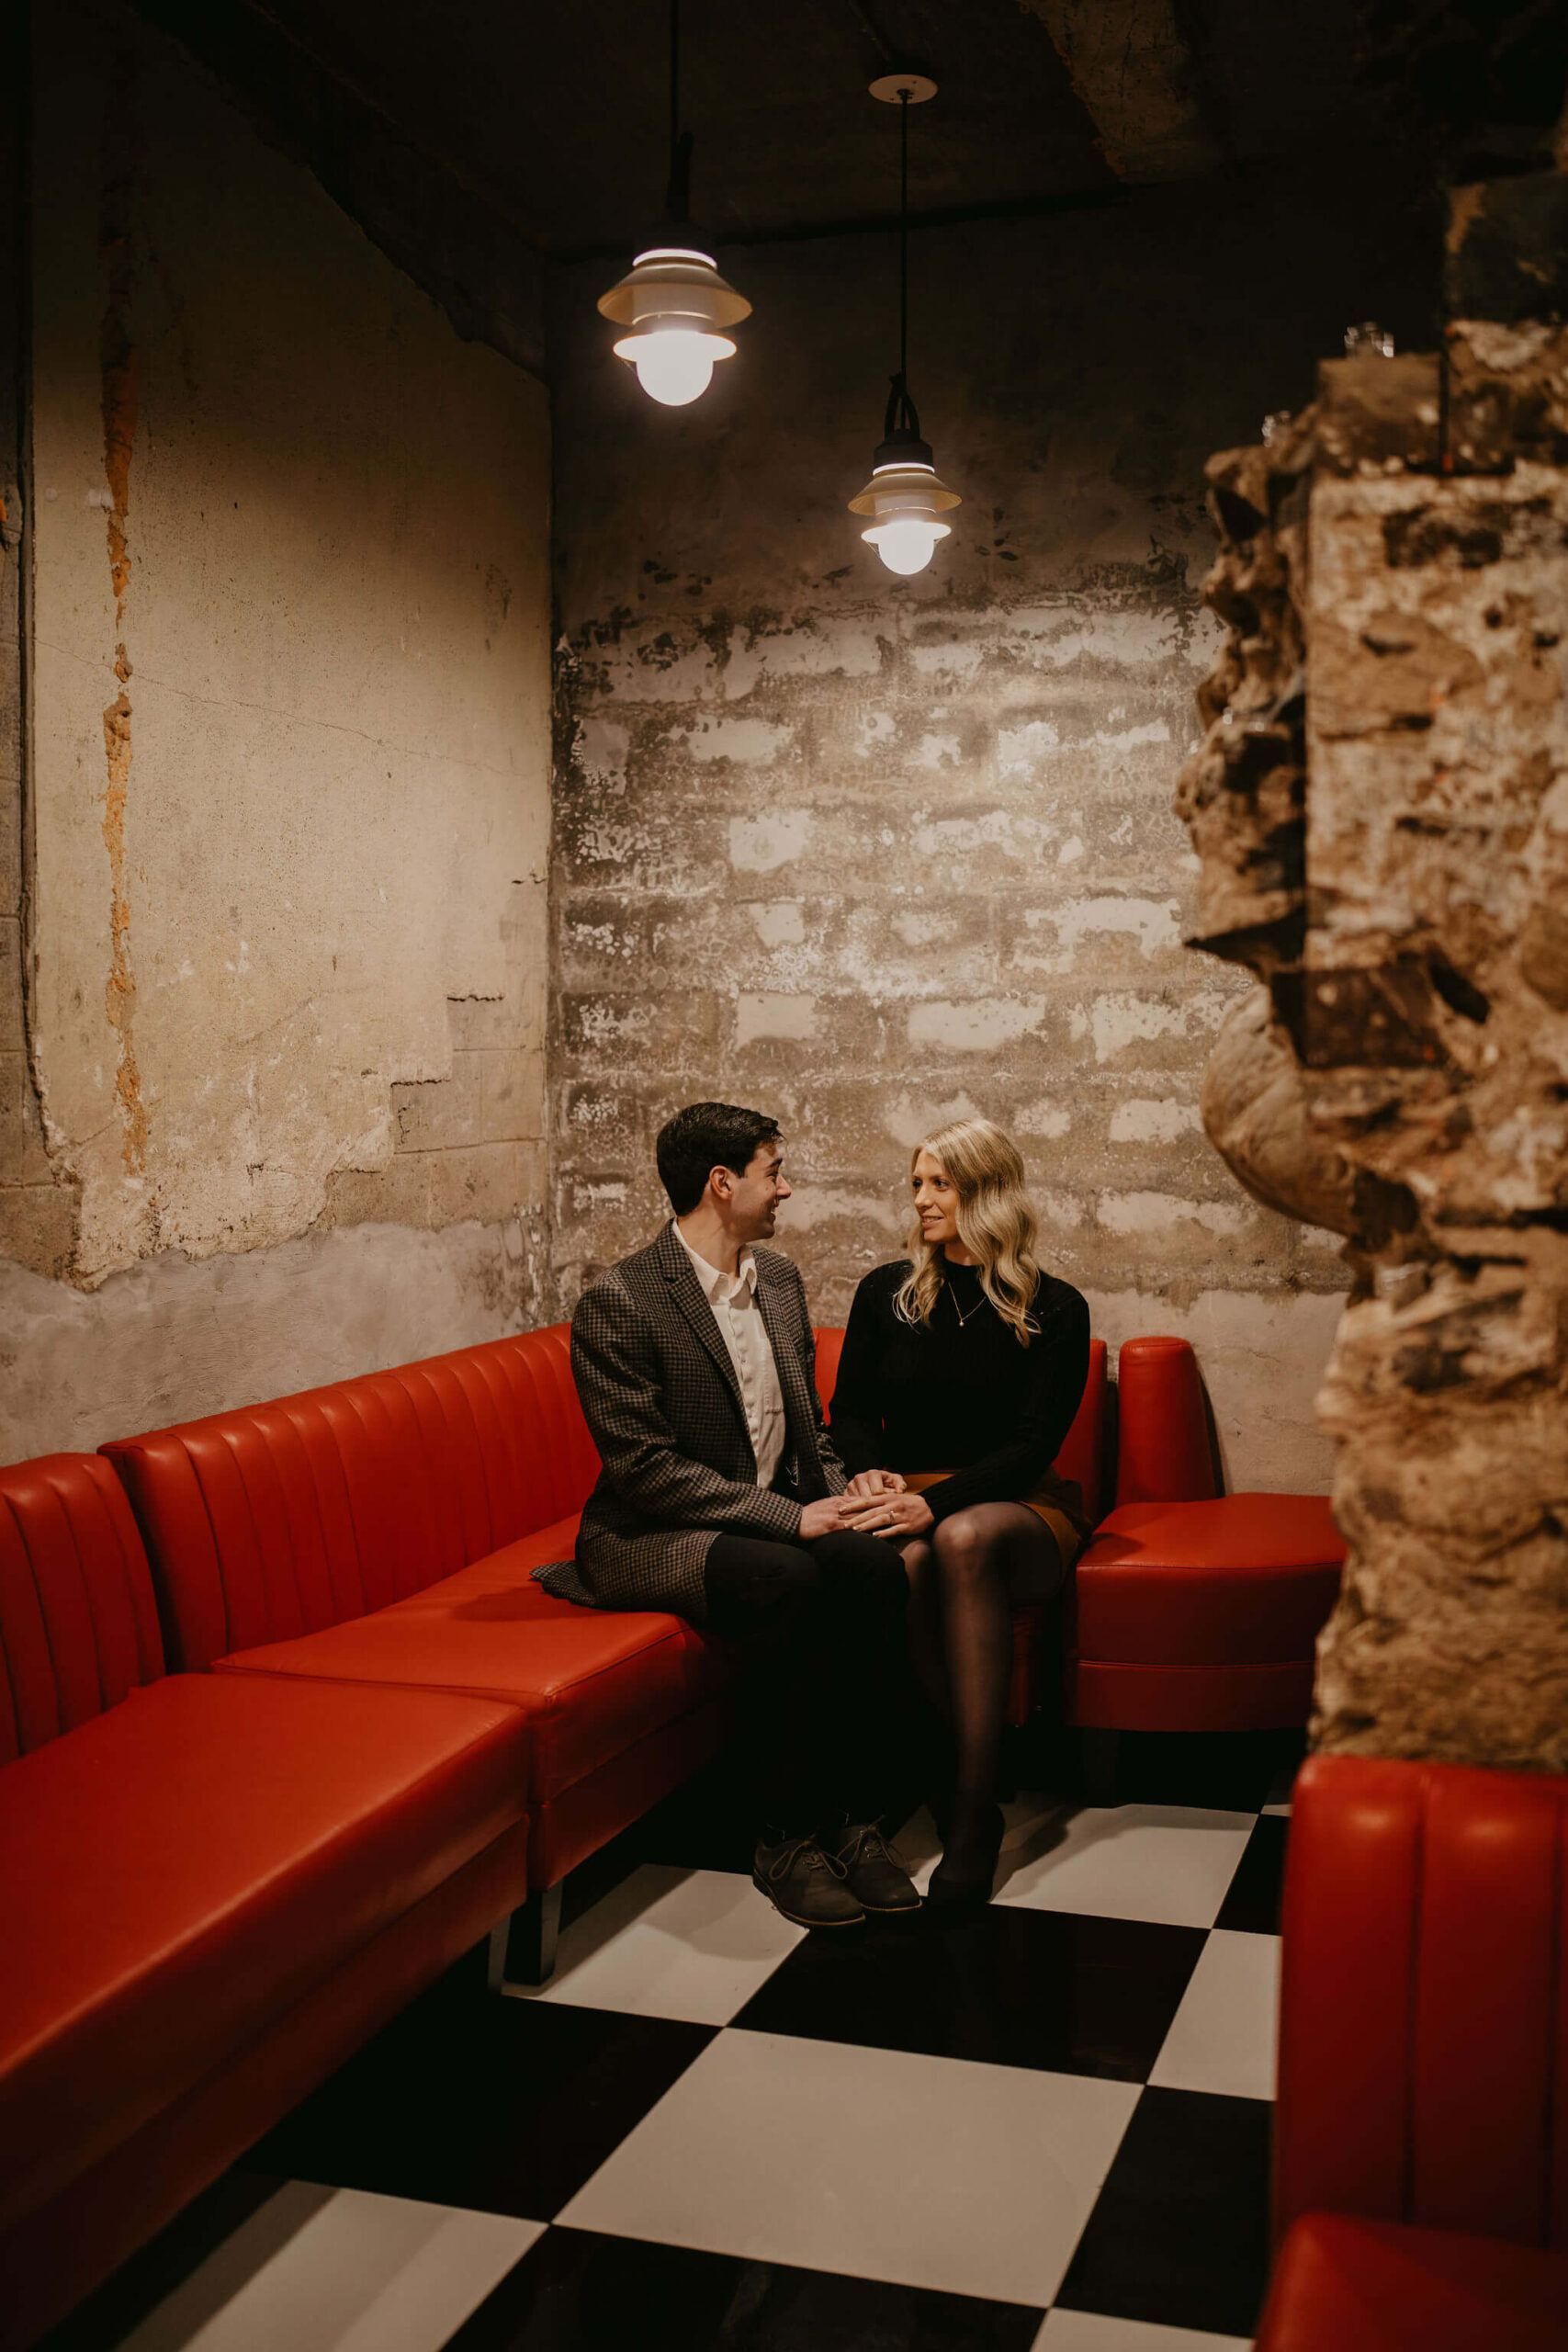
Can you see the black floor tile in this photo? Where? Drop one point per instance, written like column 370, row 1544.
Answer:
column 577, row 2292
column 1230, row 1771
column 164, row 2263
column 1252, row 1900
column 469, row 2098
column 709, row 1825
column 1179, row 2234
column 1052, row 1989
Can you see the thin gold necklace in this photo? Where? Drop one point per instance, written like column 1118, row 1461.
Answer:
column 963, row 1318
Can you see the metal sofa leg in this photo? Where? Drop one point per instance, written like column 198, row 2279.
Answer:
column 1100, row 1765
column 526, row 1939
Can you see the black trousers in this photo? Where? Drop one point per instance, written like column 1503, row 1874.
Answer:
column 827, row 1714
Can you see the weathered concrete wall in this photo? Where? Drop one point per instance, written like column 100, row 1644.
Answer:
column 871, row 853
column 288, row 776
column 21, row 1139
column 173, row 1336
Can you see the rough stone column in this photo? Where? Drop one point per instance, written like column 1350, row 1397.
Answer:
column 1380, row 803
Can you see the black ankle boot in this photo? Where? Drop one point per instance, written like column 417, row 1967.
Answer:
column 961, row 1879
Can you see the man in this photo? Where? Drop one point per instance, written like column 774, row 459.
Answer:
column 719, row 1499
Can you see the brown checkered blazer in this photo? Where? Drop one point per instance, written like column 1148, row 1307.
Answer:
column 663, row 1404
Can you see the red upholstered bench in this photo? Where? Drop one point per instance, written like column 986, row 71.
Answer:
column 1082, row 1457
column 1421, row 2160
column 382, row 1532
column 213, row 1890
column 1194, row 1611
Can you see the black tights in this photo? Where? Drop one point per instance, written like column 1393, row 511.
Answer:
column 824, row 1715
column 964, row 1579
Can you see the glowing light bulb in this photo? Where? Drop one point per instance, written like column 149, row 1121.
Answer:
column 674, row 364
column 908, row 545
column 673, row 368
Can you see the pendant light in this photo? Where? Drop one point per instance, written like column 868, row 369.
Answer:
column 904, row 494
column 673, row 297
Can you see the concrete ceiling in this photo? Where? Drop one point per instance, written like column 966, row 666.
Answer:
column 557, row 111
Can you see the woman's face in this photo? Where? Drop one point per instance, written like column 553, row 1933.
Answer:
column 936, row 1200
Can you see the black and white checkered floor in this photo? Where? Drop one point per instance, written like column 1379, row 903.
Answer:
column 1048, row 2126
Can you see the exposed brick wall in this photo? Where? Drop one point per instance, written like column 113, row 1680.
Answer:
column 881, row 867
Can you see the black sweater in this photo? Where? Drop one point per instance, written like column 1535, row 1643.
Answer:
column 964, row 1397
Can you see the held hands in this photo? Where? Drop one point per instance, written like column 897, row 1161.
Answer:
column 893, row 1512
column 875, row 1501
column 873, row 1482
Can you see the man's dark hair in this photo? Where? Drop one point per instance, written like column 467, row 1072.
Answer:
column 704, row 1136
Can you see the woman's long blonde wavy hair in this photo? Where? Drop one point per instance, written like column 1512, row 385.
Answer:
column 995, row 1221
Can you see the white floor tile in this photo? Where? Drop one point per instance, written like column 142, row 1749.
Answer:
column 937, row 2172
column 670, row 1943
column 1088, row 2332
column 1222, row 2036
column 338, row 2270
column 1171, row 1863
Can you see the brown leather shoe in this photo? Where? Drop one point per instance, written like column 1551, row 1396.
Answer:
column 805, row 1885
column 876, row 1877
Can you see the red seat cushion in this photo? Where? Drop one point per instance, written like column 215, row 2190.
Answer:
column 1348, row 2286
column 183, row 1869
column 593, row 1681
column 1245, row 1579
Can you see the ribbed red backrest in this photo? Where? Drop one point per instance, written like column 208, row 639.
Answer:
column 1083, row 1449
column 1424, row 2021
column 78, row 1629
column 1164, row 1452
column 829, row 1348
column 276, row 1520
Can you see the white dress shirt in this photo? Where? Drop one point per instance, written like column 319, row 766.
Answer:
column 733, row 1298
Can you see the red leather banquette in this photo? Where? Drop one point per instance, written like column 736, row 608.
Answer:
column 1421, row 2172
column 382, row 1532
column 215, row 1890
column 1193, row 1610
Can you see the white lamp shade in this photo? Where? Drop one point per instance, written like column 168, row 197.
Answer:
column 673, row 299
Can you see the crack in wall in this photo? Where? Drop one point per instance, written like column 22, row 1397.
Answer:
column 119, row 363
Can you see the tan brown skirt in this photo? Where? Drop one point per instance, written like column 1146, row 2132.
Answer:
column 1046, row 1500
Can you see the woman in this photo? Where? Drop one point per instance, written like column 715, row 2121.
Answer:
column 962, row 1367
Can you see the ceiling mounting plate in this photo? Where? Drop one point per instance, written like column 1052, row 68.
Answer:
column 891, row 87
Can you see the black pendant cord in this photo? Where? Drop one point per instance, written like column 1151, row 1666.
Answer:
column 902, row 421
column 903, row 235
column 678, row 201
